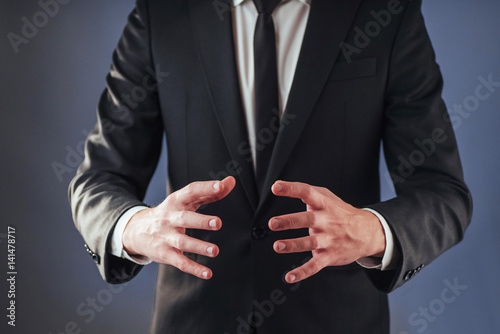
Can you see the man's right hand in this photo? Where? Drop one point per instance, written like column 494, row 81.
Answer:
column 159, row 233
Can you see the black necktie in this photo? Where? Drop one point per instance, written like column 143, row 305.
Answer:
column 266, row 88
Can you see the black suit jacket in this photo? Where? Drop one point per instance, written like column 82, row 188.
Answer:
column 351, row 91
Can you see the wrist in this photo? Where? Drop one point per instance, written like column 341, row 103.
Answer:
column 130, row 233
column 374, row 236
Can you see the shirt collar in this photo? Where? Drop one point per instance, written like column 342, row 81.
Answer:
column 239, row 2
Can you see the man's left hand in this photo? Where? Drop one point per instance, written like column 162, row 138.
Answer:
column 339, row 233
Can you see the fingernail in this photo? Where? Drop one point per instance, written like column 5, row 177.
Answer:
column 212, row 223
column 210, row 250
column 204, row 274
column 216, row 185
column 281, row 246
column 278, row 187
column 292, row 278
column 276, row 223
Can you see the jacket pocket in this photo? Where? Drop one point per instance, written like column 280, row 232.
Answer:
column 356, row 69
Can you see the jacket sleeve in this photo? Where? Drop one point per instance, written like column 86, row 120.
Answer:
column 433, row 206
column 123, row 149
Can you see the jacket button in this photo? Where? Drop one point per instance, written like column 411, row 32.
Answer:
column 258, row 232
column 95, row 257
column 409, row 275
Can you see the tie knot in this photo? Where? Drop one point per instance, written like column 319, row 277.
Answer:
column 266, row 6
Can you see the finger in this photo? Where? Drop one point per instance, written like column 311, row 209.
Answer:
column 307, row 193
column 308, row 269
column 225, row 187
column 298, row 245
column 305, row 219
column 188, row 266
column 190, row 219
column 189, row 244
column 203, row 192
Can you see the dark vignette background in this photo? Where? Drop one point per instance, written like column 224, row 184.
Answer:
column 48, row 95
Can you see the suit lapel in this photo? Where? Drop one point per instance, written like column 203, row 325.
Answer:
column 328, row 24
column 212, row 24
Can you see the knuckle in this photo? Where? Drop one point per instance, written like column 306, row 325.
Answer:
column 189, row 189
column 311, row 218
column 313, row 243
column 182, row 217
column 181, row 242
column 163, row 253
column 313, row 191
column 324, row 201
column 322, row 190
column 329, row 243
column 310, row 268
column 171, row 199
column 182, row 266
column 303, row 272
column 201, row 249
column 285, row 223
column 315, row 267
column 308, row 192
column 174, row 241
column 160, row 222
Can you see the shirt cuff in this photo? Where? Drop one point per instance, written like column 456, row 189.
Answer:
column 391, row 254
column 117, row 237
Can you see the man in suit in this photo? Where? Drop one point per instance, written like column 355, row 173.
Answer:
column 274, row 222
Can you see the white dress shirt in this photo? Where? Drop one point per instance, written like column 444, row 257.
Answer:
column 290, row 20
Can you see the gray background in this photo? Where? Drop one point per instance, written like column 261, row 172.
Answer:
column 48, row 94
